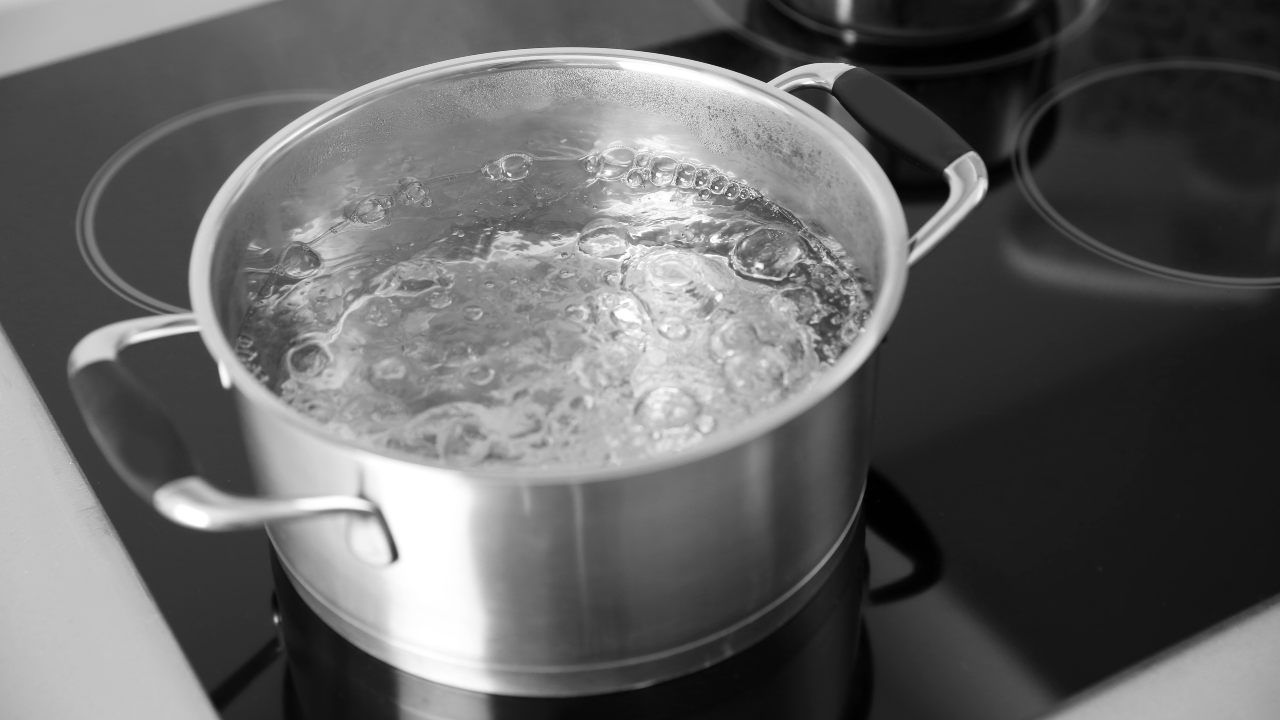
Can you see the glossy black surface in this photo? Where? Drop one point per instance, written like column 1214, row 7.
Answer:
column 1088, row 439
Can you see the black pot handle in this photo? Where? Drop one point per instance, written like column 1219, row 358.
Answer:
column 144, row 447
column 891, row 516
column 908, row 127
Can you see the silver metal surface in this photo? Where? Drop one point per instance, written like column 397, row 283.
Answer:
column 966, row 176
column 79, row 635
column 105, row 343
column 966, row 185
column 192, row 501
column 1228, row 671
column 548, row 582
column 906, row 20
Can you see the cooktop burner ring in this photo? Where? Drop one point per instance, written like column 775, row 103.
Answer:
column 90, row 240
column 1189, row 178
column 1073, row 17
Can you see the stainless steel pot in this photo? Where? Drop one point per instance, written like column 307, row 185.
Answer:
column 533, row 582
column 914, row 22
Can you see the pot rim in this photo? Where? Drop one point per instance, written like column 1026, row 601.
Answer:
column 884, row 200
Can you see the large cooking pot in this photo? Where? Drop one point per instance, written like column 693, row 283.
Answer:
column 530, row 581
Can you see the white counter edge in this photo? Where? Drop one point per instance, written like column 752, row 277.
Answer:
column 79, row 635
column 1229, row 671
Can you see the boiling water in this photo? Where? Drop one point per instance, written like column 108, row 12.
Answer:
column 551, row 311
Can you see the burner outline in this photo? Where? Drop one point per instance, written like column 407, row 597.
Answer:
column 86, row 211
column 1024, row 171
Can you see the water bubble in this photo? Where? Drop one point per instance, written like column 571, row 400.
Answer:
column 372, row 412
column 663, row 171
column 733, row 191
column 628, row 315
column 604, row 238
column 591, row 164
column 718, row 184
column 371, row 210
column 673, row 328
column 610, row 367
column 307, row 359
column 413, row 276
column 667, row 408
column 319, row 406
column 701, row 178
column 668, row 270
column 642, row 159
column 465, row 441
column 636, row 178
column 458, row 353
column 417, row 321
column 704, row 424
column 480, row 374
column 761, row 374
column 245, row 349
column 391, row 368
column 299, row 261
column 805, row 305
column 849, row 332
column 669, row 281
column 393, row 376
column 473, row 312
column 438, row 298
column 615, row 162
column 735, row 336
column 620, row 155
column 512, row 167
column 685, row 175
column 410, row 191
column 566, row 418
column 380, row 312
column 767, row 254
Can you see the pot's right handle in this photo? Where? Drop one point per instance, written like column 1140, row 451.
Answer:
column 908, row 127
column 143, row 446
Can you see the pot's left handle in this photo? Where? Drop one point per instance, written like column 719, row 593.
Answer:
column 143, row 446
column 901, row 122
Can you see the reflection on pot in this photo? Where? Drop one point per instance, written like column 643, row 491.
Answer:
column 816, row 666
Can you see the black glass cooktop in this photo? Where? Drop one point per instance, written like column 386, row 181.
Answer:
column 1076, row 403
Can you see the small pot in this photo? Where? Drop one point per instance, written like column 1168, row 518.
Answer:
column 530, row 581
column 910, row 22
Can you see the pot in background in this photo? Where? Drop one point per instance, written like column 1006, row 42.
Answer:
column 910, row 21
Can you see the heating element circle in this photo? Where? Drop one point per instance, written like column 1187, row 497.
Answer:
column 139, row 213
column 1170, row 167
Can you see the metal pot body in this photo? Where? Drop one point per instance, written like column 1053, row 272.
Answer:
column 545, row 584
column 534, row 581
column 577, row 587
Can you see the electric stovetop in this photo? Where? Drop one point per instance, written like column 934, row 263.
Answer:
column 1074, row 464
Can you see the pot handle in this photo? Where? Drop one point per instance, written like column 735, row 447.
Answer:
column 905, row 125
column 143, row 446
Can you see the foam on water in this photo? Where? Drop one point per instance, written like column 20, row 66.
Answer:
column 552, row 312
